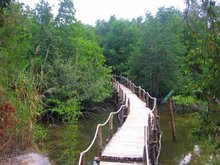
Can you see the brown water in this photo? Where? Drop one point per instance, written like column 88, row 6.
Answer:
column 173, row 153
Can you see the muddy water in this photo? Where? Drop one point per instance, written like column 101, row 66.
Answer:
column 173, row 153
column 55, row 146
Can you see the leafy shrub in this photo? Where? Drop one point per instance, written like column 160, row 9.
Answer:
column 68, row 110
column 184, row 100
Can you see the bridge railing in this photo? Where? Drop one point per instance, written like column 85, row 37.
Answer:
column 152, row 131
column 120, row 114
column 150, row 101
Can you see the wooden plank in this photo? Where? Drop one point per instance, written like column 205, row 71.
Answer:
column 128, row 142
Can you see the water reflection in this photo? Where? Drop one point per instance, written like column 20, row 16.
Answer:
column 56, row 144
column 186, row 159
column 173, row 152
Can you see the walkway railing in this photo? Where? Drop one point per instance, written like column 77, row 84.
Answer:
column 124, row 109
column 152, row 131
column 152, row 137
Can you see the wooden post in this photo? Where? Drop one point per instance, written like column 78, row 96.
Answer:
column 126, row 82
column 150, row 129
column 147, row 100
column 133, row 88
column 139, row 92
column 119, row 92
column 122, row 117
column 144, row 156
column 125, row 99
column 155, row 110
column 118, row 86
column 111, row 127
column 145, row 145
column 144, row 96
column 83, row 162
column 172, row 120
column 100, row 144
column 155, row 140
column 145, row 135
column 129, row 108
column 151, row 139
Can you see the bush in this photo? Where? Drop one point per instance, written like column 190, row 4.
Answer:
column 184, row 100
column 68, row 110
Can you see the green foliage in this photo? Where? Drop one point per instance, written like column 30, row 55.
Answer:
column 43, row 13
column 118, row 38
column 156, row 62
column 203, row 55
column 70, row 151
column 93, row 78
column 71, row 59
column 204, row 134
column 59, row 64
column 40, row 134
column 184, row 100
column 204, row 126
column 68, row 110
column 5, row 3
column 48, row 64
column 66, row 14
column 202, row 65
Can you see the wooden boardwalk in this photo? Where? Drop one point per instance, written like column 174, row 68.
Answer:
column 128, row 141
column 137, row 139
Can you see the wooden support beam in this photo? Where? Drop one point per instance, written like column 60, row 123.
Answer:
column 172, row 120
column 122, row 117
column 156, row 141
column 147, row 100
column 111, row 127
column 124, row 99
column 100, row 142
column 126, row 84
column 83, row 162
column 144, row 97
column 139, row 92
column 129, row 106
column 145, row 156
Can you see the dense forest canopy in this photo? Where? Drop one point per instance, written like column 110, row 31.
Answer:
column 166, row 51
column 48, row 65
column 58, row 65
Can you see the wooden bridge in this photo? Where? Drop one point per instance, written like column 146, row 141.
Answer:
column 137, row 138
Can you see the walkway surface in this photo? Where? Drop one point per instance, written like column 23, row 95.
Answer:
column 128, row 141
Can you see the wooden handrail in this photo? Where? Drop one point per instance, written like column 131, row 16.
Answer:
column 96, row 134
column 152, row 120
column 148, row 129
column 131, row 86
